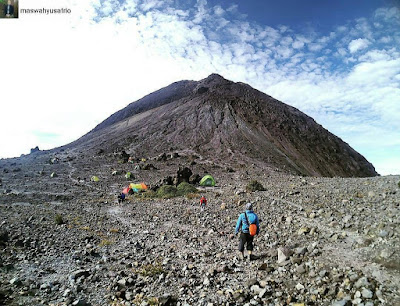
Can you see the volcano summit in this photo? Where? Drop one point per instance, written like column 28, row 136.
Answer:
column 229, row 123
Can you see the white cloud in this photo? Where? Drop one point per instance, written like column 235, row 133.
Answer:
column 358, row 44
column 385, row 40
column 136, row 47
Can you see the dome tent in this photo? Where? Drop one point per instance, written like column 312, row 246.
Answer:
column 207, row 180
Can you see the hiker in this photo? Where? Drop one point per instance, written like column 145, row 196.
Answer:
column 203, row 203
column 121, row 198
column 249, row 226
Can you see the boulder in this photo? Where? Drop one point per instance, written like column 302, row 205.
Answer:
column 161, row 157
column 283, row 254
column 183, row 175
column 195, row 179
column 35, row 149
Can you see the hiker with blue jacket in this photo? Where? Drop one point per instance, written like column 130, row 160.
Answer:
column 249, row 226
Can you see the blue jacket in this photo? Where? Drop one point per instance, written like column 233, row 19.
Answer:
column 242, row 223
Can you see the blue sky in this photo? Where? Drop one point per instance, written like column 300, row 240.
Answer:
column 337, row 61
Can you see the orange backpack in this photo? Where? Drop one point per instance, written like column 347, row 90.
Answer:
column 252, row 227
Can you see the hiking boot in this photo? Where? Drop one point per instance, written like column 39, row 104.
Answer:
column 240, row 256
column 251, row 257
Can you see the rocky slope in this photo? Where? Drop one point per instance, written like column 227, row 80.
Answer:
column 323, row 241
column 229, row 123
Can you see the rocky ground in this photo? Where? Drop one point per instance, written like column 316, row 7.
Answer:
column 65, row 241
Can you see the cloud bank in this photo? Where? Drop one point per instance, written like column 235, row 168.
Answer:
column 347, row 79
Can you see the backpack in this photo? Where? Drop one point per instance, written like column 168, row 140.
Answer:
column 252, row 227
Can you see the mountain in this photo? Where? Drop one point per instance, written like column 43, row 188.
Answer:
column 228, row 123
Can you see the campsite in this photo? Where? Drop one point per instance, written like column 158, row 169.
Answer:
column 65, row 240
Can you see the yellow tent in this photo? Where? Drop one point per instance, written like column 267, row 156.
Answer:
column 94, row 178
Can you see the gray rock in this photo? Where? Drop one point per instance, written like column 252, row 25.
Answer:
column 362, row 282
column 79, row 302
column 255, row 289
column 251, row 282
column 263, row 293
column 301, row 269
column 283, row 254
column 300, row 250
column 366, row 293
column 383, row 233
column 15, row 281
column 79, row 273
column 347, row 218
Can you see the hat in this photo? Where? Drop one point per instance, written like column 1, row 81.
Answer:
column 249, row 206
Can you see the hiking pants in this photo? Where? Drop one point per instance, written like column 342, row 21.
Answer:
column 245, row 238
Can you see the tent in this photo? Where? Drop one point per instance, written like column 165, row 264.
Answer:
column 207, row 180
column 126, row 190
column 138, row 187
column 94, row 178
column 128, row 175
column 53, row 174
column 116, row 172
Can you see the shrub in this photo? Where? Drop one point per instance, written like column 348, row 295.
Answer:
column 59, row 219
column 185, row 188
column 105, row 242
column 192, row 196
column 167, row 191
column 254, row 185
column 150, row 269
column 398, row 184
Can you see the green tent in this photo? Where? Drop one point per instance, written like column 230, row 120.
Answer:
column 207, row 180
column 94, row 178
column 128, row 175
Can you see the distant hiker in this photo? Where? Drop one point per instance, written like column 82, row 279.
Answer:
column 203, row 203
column 249, row 226
column 121, row 198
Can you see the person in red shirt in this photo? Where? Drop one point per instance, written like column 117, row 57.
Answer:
column 203, row 203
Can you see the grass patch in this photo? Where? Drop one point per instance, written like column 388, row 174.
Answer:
column 105, row 242
column 192, row 196
column 59, row 219
column 114, row 230
column 254, row 185
column 150, row 269
column 150, row 194
column 167, row 192
column 140, row 298
column 185, row 188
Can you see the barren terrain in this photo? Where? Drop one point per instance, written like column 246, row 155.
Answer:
column 337, row 238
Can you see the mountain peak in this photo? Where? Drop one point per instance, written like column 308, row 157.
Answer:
column 229, row 123
column 215, row 76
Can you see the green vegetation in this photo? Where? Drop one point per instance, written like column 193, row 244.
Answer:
column 167, row 192
column 59, row 219
column 150, row 269
column 254, row 185
column 185, row 188
column 105, row 242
